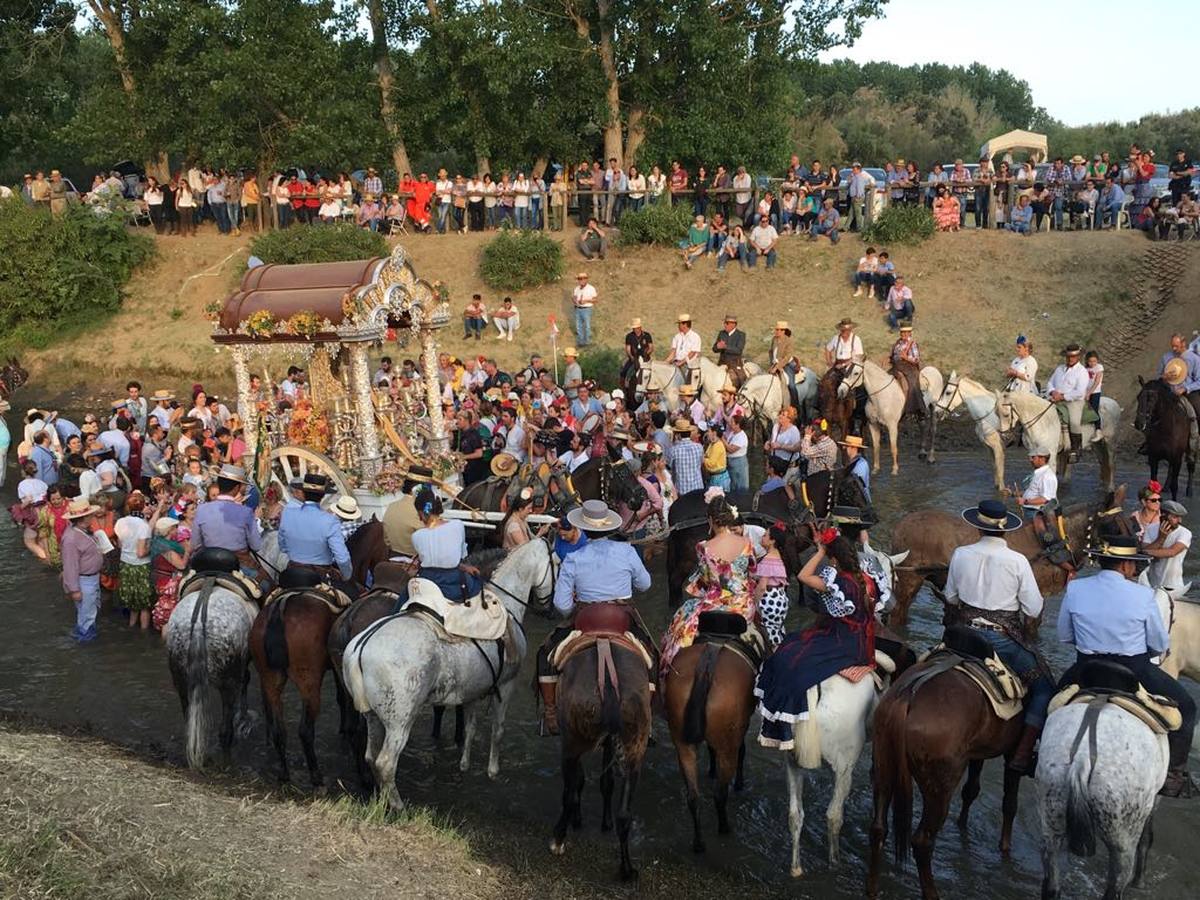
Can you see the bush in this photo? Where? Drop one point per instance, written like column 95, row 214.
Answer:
column 900, row 224
column 318, row 244
column 602, row 364
column 656, row 223
column 515, row 260
column 59, row 271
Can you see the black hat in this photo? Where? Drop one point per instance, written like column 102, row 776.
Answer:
column 991, row 515
column 317, row 484
column 1121, row 548
column 847, row 515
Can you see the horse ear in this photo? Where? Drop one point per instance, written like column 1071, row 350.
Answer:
column 898, row 558
column 1119, row 496
column 1141, row 381
column 953, row 374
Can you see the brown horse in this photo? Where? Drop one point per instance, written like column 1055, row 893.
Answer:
column 603, row 706
column 1163, row 421
column 368, row 548
column 915, row 739
column 838, row 411
column 931, row 536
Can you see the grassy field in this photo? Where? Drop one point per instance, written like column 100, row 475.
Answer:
column 973, row 292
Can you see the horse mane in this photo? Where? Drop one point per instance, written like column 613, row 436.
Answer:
column 487, row 556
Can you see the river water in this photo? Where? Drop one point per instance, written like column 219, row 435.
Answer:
column 119, row 688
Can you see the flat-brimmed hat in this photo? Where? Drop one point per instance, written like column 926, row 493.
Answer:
column 230, row 472
column 730, row 317
column 853, row 440
column 570, row 351
column 991, row 515
column 782, row 325
column 1173, row 507
column 1077, row 159
column 92, row 428
column 1119, row 547
column 594, row 515
column 846, row 323
column 643, row 446
column 316, row 483
column 504, row 465
column 904, row 328
column 636, row 322
column 847, row 515
column 1175, row 371
column 162, row 395
column 346, row 508
column 683, row 317
column 619, row 435
column 81, row 509
column 1072, row 350
column 728, row 387
column 688, row 390
column 682, row 426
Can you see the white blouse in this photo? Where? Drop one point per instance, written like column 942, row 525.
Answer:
column 441, row 547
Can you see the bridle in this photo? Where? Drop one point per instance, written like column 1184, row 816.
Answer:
column 539, row 600
column 948, row 407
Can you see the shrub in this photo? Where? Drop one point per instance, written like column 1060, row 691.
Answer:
column 656, row 223
column 602, row 364
column 900, row 224
column 516, row 260
column 319, row 244
column 61, row 271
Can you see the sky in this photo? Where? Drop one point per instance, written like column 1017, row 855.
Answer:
column 1073, row 80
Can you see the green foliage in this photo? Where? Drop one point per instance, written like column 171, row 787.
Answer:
column 601, row 364
column 900, row 224
column 57, row 272
column 516, row 260
column 319, row 244
column 661, row 223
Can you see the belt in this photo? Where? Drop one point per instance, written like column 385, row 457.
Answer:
column 315, row 567
column 722, row 472
column 981, row 625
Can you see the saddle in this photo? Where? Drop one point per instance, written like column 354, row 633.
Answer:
column 231, row 579
column 1101, row 681
column 731, row 631
column 336, row 600
column 215, row 559
column 966, row 651
column 611, row 621
column 481, row 618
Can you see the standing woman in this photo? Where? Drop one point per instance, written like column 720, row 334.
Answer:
column 656, row 183
column 154, row 203
column 1000, row 185
column 716, row 464
column 770, row 588
column 168, row 560
column 475, row 193
column 185, row 205
column 1022, row 371
column 1147, row 519
column 700, row 185
column 133, row 536
column 52, row 522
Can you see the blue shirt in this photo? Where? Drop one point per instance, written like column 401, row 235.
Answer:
column 1114, row 197
column 1021, row 215
column 66, row 430
column 115, row 440
column 773, row 483
column 1192, row 382
column 580, row 412
column 601, row 571
column 686, row 459
column 1107, row 613
column 308, row 534
column 47, row 464
column 225, row 524
column 862, row 470
column 563, row 549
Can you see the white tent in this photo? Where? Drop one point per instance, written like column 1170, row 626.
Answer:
column 1033, row 144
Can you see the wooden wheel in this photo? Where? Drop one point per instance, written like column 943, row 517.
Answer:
column 289, row 462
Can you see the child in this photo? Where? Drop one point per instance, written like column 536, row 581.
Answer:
column 771, row 588
column 1095, row 372
column 195, row 474
column 865, row 273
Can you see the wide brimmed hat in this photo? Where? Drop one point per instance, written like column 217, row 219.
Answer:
column 683, row 317
column 728, row 387
column 991, row 515
column 620, row 435
column 782, row 325
column 730, row 317
column 581, row 274
column 1072, row 350
column 847, row 515
column 853, row 440
column 570, row 351
column 162, row 395
column 504, row 465
column 1175, row 371
column 682, row 426
column 643, row 446
column 81, row 509
column 636, row 322
column 346, row 508
column 618, row 394
column 904, row 328
column 164, row 525
column 1077, row 159
column 594, row 515
column 847, row 323
column 316, row 483
column 230, row 472
column 1173, row 507
column 1121, row 548
column 688, row 390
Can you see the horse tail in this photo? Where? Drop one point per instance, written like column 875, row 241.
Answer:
column 1081, row 832
column 610, row 699
column 275, row 639
column 196, row 671
column 892, row 776
column 695, row 713
column 352, row 674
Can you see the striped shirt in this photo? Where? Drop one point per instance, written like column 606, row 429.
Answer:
column 686, row 459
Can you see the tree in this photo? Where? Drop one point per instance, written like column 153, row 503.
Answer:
column 385, row 78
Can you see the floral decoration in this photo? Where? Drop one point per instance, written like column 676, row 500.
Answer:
column 308, row 428
column 307, row 323
column 260, row 323
column 212, row 311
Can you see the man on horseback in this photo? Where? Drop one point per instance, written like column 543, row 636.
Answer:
column 843, row 352
column 1067, row 387
column 602, row 571
column 906, row 366
column 685, row 351
column 1039, row 499
column 227, row 523
column 1179, row 368
column 311, row 537
column 995, row 593
column 856, row 464
column 730, row 346
column 1112, row 617
column 639, row 348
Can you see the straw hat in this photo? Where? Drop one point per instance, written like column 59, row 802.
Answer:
column 581, row 274
column 162, row 395
column 504, row 465
column 847, row 323
column 853, row 440
column 991, row 515
column 594, row 515
column 1072, row 350
column 619, row 435
column 731, row 317
column 570, row 351
column 682, row 426
column 643, row 446
column 727, row 387
column 904, row 328
column 1175, row 371
column 346, row 508
column 1077, row 160
column 81, row 509
column 684, row 317
column 636, row 323
column 1121, row 548
column 782, row 325
column 688, row 390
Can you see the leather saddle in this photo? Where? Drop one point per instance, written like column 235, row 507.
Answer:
column 732, row 631
column 963, row 649
column 215, row 559
column 611, row 621
column 310, row 583
column 1103, row 681
column 482, row 617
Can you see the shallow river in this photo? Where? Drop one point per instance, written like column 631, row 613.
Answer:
column 119, row 688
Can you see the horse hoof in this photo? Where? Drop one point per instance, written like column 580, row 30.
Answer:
column 895, row 470
column 558, row 849
column 463, row 765
column 493, row 772
column 1005, row 847
column 797, row 871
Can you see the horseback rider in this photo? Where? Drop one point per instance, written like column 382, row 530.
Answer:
column 602, row 571
column 311, row 537
column 226, row 523
column 843, row 352
column 1112, row 617
column 1022, row 371
column 1039, row 498
column 906, row 362
column 731, row 345
column 639, row 348
column 856, row 464
column 441, row 546
column 783, row 359
column 1067, row 387
column 995, row 592
column 685, row 350
column 400, row 519
column 1179, row 368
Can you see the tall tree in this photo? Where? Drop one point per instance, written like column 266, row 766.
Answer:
column 386, row 80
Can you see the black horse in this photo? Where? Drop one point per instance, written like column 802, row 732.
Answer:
column 1167, row 429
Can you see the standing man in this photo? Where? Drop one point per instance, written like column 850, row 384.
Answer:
column 639, row 348
column 1169, row 549
column 844, row 348
column 583, row 299
column 730, row 346
column 572, row 374
column 1111, row 617
column 372, row 183
column 860, row 188
column 685, row 350
column 1181, row 171
column 993, row 588
column 1068, row 386
column 311, row 537
column 81, row 563
column 687, row 458
column 983, row 192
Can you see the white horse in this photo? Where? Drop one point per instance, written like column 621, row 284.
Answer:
column 981, row 405
column 394, row 669
column 1111, row 797
column 1182, row 619
column 885, row 406
column 764, row 395
column 1043, row 429
column 661, row 376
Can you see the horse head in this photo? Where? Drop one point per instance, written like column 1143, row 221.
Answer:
column 1006, row 412
column 1150, row 398
column 852, row 377
column 951, row 398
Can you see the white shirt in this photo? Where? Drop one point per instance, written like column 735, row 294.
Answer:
column 740, row 442
column 32, row 490
column 129, row 531
column 1168, row 573
column 444, row 187
column 683, row 343
column 763, row 236
column 1042, row 483
column 514, row 442
column 790, row 437
column 574, row 460
column 743, row 184
column 842, row 350
column 990, row 575
column 1070, row 381
column 1026, row 369
column 89, row 484
column 584, row 295
column 442, row 547
column 110, row 468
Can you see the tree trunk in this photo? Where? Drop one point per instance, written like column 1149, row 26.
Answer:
column 483, row 164
column 387, row 80
column 159, row 166
column 613, row 142
column 636, row 133
column 539, row 167
column 109, row 12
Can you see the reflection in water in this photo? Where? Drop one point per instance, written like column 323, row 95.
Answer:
column 120, row 688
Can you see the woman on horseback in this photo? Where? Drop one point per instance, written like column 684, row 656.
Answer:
column 722, row 580
column 441, row 546
column 842, row 636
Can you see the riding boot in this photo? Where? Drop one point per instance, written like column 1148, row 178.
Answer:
column 1076, row 447
column 549, row 691
column 1178, row 784
column 1023, row 759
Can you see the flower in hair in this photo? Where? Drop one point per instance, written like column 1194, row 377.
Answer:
column 526, row 493
column 779, row 527
column 733, row 509
column 828, row 536
column 1155, row 486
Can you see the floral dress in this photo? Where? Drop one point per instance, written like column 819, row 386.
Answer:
column 166, row 579
column 945, row 213
column 841, row 637
column 773, row 604
column 715, row 585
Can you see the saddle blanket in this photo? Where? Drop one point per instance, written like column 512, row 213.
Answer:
column 481, row 618
column 1088, row 417
column 751, row 645
column 1003, row 689
column 1159, row 713
column 193, row 583
column 333, row 598
column 577, row 641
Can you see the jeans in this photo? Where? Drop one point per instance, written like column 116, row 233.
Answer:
column 250, row 215
column 1112, row 212
column 831, row 230
column 284, row 211
column 1017, row 658
column 700, row 206
column 583, row 325
column 857, row 214
column 716, row 242
column 895, row 315
column 982, row 201
column 739, row 472
column 752, row 254
column 883, row 281
column 222, row 217
column 1018, row 227
column 1058, row 212
column 523, row 217
column 473, row 328
column 492, row 216
column 442, row 213
column 861, row 278
column 720, row 479
column 741, row 256
column 87, row 608
column 636, row 203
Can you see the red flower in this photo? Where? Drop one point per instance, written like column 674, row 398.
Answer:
column 828, row 536
column 1155, row 486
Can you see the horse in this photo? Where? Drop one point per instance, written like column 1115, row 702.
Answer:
column 1043, row 429
column 666, row 378
column 1167, row 429
column 981, row 405
column 399, row 664
column 1182, row 619
column 368, row 547
column 886, row 401
column 603, row 701
column 764, row 395
column 915, row 737
column 836, row 407
column 932, row 535
column 1104, row 786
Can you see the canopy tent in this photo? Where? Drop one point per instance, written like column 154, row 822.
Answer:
column 1034, row 144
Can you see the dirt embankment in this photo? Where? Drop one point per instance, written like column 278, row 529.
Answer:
column 973, row 292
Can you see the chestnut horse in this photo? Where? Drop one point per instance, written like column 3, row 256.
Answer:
column 914, row 739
